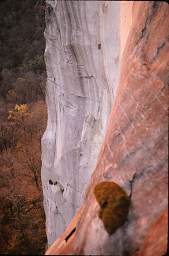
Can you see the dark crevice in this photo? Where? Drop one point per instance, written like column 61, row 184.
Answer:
column 70, row 234
column 131, row 184
column 99, row 46
column 159, row 48
column 104, row 204
column 149, row 169
column 50, row 182
column 143, row 31
column 152, row 11
column 87, row 77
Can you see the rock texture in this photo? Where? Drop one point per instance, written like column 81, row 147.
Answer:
column 82, row 58
column 134, row 150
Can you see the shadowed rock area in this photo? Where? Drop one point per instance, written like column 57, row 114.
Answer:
column 134, row 151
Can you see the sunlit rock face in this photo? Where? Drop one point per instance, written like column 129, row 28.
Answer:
column 134, row 150
column 82, row 60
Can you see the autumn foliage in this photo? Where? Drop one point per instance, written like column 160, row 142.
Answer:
column 21, row 208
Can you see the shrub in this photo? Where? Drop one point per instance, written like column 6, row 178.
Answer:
column 35, row 64
column 17, row 118
column 114, row 205
column 29, row 87
column 11, row 96
column 7, row 137
column 7, row 80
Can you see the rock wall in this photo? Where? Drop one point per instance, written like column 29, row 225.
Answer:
column 134, row 153
column 82, row 59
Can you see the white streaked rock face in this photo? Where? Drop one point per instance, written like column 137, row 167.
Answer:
column 82, row 61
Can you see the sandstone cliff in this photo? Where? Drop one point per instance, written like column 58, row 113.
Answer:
column 82, row 56
column 87, row 44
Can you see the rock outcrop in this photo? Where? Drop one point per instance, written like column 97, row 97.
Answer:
column 134, row 151
column 82, row 58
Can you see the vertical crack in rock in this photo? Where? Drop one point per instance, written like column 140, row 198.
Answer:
column 151, row 12
column 131, row 184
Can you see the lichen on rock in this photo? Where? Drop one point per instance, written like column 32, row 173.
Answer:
column 114, row 205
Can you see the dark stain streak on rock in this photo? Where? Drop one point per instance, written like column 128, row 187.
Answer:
column 147, row 170
column 58, row 27
column 155, row 5
column 152, row 10
column 143, row 31
column 131, row 184
column 87, row 77
column 68, row 13
column 129, row 156
column 159, row 49
column 73, row 52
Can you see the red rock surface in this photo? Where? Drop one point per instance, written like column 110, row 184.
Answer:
column 135, row 143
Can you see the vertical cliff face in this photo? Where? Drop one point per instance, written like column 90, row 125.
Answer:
column 134, row 151
column 82, row 58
